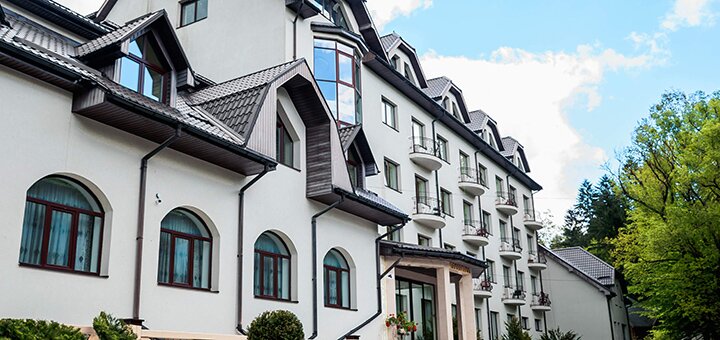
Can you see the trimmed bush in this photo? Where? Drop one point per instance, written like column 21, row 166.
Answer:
column 276, row 325
column 109, row 328
column 37, row 330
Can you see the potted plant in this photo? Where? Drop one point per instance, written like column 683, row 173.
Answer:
column 403, row 327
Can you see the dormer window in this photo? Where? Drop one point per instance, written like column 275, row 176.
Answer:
column 144, row 69
column 455, row 111
column 408, row 73
column 353, row 165
column 331, row 9
column 284, row 144
column 395, row 62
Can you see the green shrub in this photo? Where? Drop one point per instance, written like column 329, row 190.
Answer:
column 37, row 330
column 557, row 334
column 276, row 325
column 109, row 328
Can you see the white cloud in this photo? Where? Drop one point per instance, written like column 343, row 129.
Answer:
column 529, row 94
column 83, row 7
column 384, row 11
column 688, row 13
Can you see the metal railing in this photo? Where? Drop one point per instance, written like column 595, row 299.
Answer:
column 531, row 215
column 512, row 292
column 506, row 198
column 510, row 244
column 484, row 284
column 471, row 175
column 537, row 258
column 427, row 205
column 541, row 299
column 424, row 145
column 475, row 228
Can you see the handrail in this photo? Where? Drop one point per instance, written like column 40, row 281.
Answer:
column 531, row 215
column 485, row 285
column 475, row 228
column 510, row 244
column 471, row 175
column 424, row 145
column 427, row 205
column 506, row 198
column 542, row 299
column 513, row 292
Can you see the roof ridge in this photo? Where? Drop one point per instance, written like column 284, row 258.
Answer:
column 256, row 72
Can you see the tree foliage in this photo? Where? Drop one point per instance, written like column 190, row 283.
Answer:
column 276, row 325
column 557, row 334
column 514, row 330
column 670, row 250
column 109, row 328
column 37, row 330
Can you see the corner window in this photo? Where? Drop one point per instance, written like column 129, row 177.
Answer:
column 62, row 228
column 272, row 268
column 337, row 71
column 392, row 175
column 144, row 69
column 337, row 280
column 284, row 144
column 192, row 11
column 389, row 114
column 185, row 247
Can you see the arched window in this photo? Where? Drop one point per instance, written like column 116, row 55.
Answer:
column 63, row 227
column 272, row 268
column 337, row 280
column 185, row 251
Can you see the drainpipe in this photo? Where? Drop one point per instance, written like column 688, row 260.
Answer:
column 437, row 183
column 378, row 280
column 542, row 291
column 297, row 14
column 517, row 286
column 314, row 263
column 487, row 302
column 240, row 240
column 141, row 224
column 612, row 329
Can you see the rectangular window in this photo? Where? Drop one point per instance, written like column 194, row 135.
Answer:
column 446, row 202
column 418, row 137
column 494, row 331
column 526, row 203
column 499, row 187
column 530, row 245
column 533, row 284
column 487, row 221
column 421, row 189
column 192, row 11
column 482, row 171
column 521, row 281
column 491, row 271
column 389, row 114
column 516, row 237
column 392, row 175
column 442, row 145
column 448, row 246
column 538, row 325
column 394, row 236
column 503, row 230
column 424, row 241
column 478, row 320
column 464, row 164
column 525, row 324
column 284, row 144
column 467, row 212
column 506, row 276
column 512, row 195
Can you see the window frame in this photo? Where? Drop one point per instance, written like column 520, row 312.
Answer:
column 491, row 270
column 428, row 240
column 142, row 64
column 387, row 162
column 74, row 225
column 276, row 260
column 385, row 104
column 446, row 206
column 280, row 143
column 188, row 3
column 442, row 148
column 191, row 252
column 338, row 276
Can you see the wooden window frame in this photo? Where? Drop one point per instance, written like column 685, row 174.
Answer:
column 191, row 257
column 280, row 141
column 276, row 260
column 143, row 63
column 339, row 287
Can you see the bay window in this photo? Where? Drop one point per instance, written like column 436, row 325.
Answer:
column 337, row 71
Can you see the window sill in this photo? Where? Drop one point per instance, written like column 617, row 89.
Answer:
column 342, row 308
column 276, row 300
column 393, row 189
column 390, row 126
column 188, row 24
column 188, row 288
column 61, row 270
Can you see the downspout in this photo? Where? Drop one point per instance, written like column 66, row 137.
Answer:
column 517, row 286
column 378, row 281
column 487, row 305
column 437, row 183
column 314, row 263
column 240, row 240
column 542, row 291
column 612, row 329
column 297, row 15
column 141, row 224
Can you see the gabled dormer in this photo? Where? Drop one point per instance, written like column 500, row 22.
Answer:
column 485, row 127
column 360, row 160
column 144, row 55
column 404, row 59
column 515, row 153
column 449, row 96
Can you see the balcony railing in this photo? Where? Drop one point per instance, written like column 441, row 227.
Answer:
column 541, row 299
column 471, row 175
column 506, row 198
column 537, row 257
column 513, row 292
column 485, row 285
column 531, row 215
column 424, row 145
column 427, row 205
column 473, row 227
column 510, row 244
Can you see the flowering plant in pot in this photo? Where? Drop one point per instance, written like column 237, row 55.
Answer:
column 400, row 322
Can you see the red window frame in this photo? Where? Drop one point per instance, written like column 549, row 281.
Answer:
column 145, row 63
column 191, row 256
column 338, row 275
column 261, row 271
column 355, row 65
column 72, row 238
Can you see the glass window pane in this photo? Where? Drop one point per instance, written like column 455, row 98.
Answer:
column 185, row 222
column 346, row 104
column 134, row 47
column 329, row 91
column 324, row 43
column 180, row 268
column 129, row 74
column 287, row 148
column 63, row 192
column 268, row 288
column 325, row 68
column 284, row 279
column 188, row 13
column 153, row 84
column 345, row 284
column 202, row 9
column 32, row 233
column 345, row 67
column 201, row 264
column 256, row 274
column 87, row 244
column 59, row 239
column 332, row 287
column 164, row 262
column 344, row 48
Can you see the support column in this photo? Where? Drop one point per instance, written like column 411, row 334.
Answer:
column 466, row 308
column 388, row 283
column 444, row 302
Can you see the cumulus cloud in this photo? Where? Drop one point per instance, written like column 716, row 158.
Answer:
column 688, row 13
column 528, row 94
column 384, row 11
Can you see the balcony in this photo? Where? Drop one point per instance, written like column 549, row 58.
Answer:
column 423, row 152
column 513, row 296
column 471, row 181
column 505, row 203
column 475, row 233
column 427, row 212
column 510, row 248
column 536, row 260
column 482, row 288
column 531, row 219
column 540, row 302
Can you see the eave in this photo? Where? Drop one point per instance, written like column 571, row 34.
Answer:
column 391, row 248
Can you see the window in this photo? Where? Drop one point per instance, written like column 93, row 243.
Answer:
column 533, row 284
column 503, row 230
column 354, row 166
column 284, row 144
column 506, row 276
column 467, row 212
column 494, row 331
column 394, row 236
column 185, row 250
column 272, row 268
column 424, row 241
column 442, row 145
column 418, row 136
column 482, row 171
column 389, row 114
column 487, row 221
column 448, row 246
column 478, row 320
column 421, row 190
column 408, row 74
column 394, row 62
column 525, row 324
column 465, row 170
column 491, row 271
column 455, row 111
column 392, row 175
column 337, row 71
column 337, row 280
column 144, row 70
column 417, row 300
column 512, row 194
column 446, row 103
column 62, row 227
column 446, row 202
column 192, row 11
column 331, row 10
column 530, row 244
column 499, row 187
column 538, row 325
column 516, row 237
column 521, row 281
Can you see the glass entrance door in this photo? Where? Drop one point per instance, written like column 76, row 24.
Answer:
column 417, row 300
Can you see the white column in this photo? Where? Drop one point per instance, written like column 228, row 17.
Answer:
column 444, row 301
column 466, row 309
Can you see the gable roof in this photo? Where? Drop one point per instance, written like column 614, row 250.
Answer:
column 439, row 87
column 354, row 134
column 588, row 263
column 478, row 120
column 605, row 289
column 392, row 41
column 117, row 35
column 512, row 146
column 63, row 17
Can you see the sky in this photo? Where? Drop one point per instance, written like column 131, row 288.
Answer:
column 569, row 79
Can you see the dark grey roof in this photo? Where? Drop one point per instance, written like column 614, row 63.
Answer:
column 406, row 249
column 63, row 16
column 377, row 200
column 117, row 35
column 509, row 144
column 389, row 40
column 478, row 119
column 437, row 87
column 3, row 21
column 347, row 133
column 588, row 264
column 237, row 101
column 30, row 32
